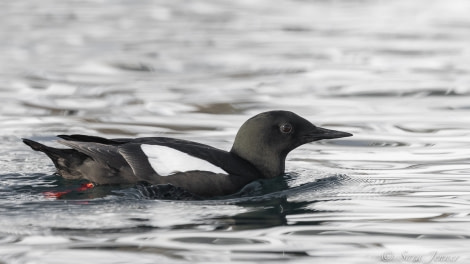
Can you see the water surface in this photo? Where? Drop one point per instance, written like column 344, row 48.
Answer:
column 393, row 73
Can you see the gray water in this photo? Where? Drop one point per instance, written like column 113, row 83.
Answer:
column 393, row 73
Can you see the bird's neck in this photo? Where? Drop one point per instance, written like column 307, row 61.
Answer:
column 269, row 165
column 272, row 170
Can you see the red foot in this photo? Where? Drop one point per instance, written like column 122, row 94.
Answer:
column 57, row 195
column 86, row 186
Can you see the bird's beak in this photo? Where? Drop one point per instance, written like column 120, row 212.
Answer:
column 318, row 133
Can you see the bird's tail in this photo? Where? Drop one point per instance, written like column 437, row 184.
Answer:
column 52, row 153
column 65, row 160
column 34, row 145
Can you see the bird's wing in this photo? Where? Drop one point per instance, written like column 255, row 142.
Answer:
column 168, row 155
column 138, row 161
column 94, row 139
column 99, row 152
column 159, row 156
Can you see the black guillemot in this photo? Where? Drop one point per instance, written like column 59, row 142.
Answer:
column 259, row 151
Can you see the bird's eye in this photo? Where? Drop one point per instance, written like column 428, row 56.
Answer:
column 286, row 128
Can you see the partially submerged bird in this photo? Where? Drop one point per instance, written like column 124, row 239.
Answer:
column 259, row 151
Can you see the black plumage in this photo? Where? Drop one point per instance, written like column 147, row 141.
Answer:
column 259, row 151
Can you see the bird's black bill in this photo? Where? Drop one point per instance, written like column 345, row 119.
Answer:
column 322, row 133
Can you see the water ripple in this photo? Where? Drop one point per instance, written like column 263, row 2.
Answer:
column 393, row 73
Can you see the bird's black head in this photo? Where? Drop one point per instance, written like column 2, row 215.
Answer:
column 265, row 139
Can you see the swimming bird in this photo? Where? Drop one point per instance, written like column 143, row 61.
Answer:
column 259, row 151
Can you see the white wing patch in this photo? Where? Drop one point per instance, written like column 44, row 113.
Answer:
column 166, row 161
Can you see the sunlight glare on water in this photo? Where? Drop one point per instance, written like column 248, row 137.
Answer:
column 393, row 73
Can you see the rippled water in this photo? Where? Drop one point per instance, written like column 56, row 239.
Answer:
column 393, row 73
